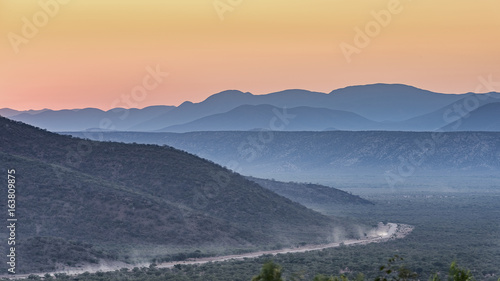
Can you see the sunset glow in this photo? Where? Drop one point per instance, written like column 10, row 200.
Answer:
column 88, row 53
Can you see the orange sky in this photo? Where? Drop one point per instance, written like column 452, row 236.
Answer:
column 92, row 53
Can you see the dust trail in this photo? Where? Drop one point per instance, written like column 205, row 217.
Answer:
column 382, row 233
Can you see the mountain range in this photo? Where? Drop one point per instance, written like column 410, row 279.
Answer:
column 262, row 117
column 390, row 107
column 339, row 157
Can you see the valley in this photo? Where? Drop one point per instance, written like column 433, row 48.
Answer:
column 448, row 226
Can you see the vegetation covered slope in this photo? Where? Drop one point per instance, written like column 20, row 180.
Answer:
column 302, row 156
column 310, row 195
column 127, row 195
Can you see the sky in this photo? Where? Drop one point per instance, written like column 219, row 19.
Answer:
column 105, row 53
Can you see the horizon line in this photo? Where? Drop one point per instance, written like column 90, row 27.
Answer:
column 227, row 90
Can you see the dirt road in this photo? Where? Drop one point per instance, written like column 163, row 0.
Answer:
column 382, row 234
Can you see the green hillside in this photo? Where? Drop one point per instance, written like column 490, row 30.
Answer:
column 314, row 196
column 341, row 158
column 122, row 198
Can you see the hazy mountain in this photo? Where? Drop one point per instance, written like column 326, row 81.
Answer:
column 394, row 106
column 484, row 118
column 450, row 114
column 140, row 197
column 228, row 100
column 7, row 112
column 380, row 102
column 249, row 117
column 90, row 118
column 389, row 102
column 188, row 111
column 339, row 156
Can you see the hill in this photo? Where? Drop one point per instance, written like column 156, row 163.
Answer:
column 188, row 111
column 314, row 196
column 389, row 102
column 89, row 118
column 484, row 118
column 450, row 116
column 250, row 117
column 132, row 201
column 7, row 112
column 340, row 158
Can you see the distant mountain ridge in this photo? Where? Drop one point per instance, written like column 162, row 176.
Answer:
column 404, row 157
column 392, row 107
column 7, row 112
column 251, row 117
column 390, row 102
column 485, row 118
column 451, row 115
column 89, row 118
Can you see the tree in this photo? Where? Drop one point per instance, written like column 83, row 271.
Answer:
column 457, row 274
column 269, row 272
column 392, row 272
column 272, row 272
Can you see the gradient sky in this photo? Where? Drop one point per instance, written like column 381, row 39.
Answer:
column 90, row 53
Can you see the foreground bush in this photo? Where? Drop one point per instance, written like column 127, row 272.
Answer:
column 272, row 272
